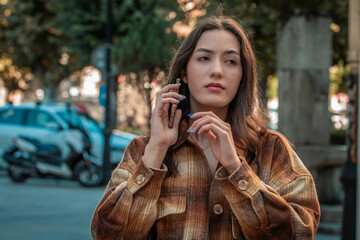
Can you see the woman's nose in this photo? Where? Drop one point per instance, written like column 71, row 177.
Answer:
column 217, row 69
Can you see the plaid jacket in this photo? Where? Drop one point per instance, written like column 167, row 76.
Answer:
column 271, row 198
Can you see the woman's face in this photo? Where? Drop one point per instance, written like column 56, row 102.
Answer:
column 214, row 71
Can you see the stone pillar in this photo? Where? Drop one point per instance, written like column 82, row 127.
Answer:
column 304, row 57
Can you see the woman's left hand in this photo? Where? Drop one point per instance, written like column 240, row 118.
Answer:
column 219, row 136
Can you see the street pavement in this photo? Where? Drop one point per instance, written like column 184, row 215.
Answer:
column 45, row 209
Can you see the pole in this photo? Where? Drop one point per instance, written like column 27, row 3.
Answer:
column 108, row 128
column 358, row 155
column 349, row 174
column 358, row 134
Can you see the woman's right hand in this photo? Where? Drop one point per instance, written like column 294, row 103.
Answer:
column 162, row 137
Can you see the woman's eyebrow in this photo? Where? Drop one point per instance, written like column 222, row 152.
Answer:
column 204, row 50
column 232, row 52
column 211, row 51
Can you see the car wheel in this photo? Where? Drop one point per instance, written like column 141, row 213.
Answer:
column 88, row 176
column 16, row 174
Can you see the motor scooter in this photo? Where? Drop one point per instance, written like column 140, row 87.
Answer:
column 30, row 157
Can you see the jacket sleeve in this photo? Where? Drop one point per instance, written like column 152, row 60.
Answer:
column 286, row 207
column 128, row 208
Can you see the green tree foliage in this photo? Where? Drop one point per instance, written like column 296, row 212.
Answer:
column 143, row 37
column 53, row 38
column 78, row 26
column 272, row 86
column 338, row 78
column 26, row 30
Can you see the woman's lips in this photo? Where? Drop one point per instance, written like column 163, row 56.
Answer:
column 215, row 87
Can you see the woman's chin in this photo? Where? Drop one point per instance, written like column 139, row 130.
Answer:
column 214, row 103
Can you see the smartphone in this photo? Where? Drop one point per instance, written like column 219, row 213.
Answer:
column 173, row 109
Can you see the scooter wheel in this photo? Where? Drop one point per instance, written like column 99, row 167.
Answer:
column 88, row 176
column 16, row 175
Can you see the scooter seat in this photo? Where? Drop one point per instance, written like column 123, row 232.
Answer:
column 43, row 148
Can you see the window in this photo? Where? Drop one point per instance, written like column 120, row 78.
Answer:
column 73, row 118
column 12, row 116
column 92, row 125
column 37, row 118
column 79, row 119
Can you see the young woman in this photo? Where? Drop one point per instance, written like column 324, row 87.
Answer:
column 218, row 173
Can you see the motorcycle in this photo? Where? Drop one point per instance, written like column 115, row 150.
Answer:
column 29, row 157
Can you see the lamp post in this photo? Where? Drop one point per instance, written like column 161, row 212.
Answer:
column 109, row 83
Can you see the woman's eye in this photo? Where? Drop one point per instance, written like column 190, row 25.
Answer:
column 231, row 61
column 204, row 58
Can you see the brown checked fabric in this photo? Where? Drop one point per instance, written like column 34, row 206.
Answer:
column 273, row 197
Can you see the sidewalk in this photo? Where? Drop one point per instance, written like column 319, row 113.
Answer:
column 320, row 236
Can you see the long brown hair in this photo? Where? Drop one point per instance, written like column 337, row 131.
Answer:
column 245, row 114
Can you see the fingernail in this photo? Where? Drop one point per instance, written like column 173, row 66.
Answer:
column 188, row 129
column 178, row 84
column 189, row 115
column 197, row 131
column 182, row 96
column 178, row 99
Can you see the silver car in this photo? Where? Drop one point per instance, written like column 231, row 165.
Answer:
column 47, row 122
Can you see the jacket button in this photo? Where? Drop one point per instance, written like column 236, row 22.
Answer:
column 243, row 185
column 218, row 209
column 140, row 179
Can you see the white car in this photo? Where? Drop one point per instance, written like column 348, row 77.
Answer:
column 47, row 123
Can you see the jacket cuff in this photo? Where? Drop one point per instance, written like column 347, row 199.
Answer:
column 146, row 181
column 243, row 183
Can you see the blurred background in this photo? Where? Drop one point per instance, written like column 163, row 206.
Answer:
column 90, row 70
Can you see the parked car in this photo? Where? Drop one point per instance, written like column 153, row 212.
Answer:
column 48, row 122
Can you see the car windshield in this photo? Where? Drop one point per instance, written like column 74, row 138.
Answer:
column 90, row 124
column 80, row 119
